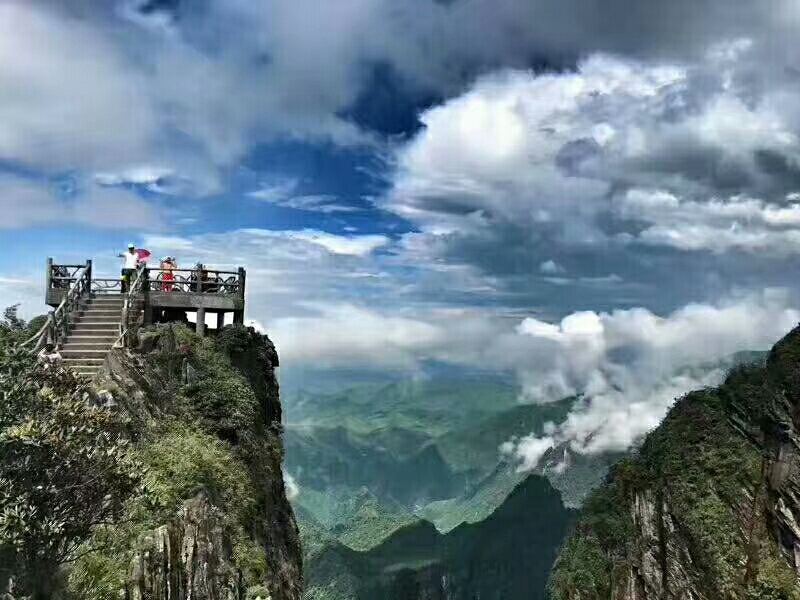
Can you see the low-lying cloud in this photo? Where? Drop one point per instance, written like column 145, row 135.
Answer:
column 631, row 365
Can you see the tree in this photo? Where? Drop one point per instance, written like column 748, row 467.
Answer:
column 64, row 469
column 14, row 329
column 11, row 319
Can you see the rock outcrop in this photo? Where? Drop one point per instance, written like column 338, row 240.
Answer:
column 212, row 521
column 189, row 557
column 710, row 505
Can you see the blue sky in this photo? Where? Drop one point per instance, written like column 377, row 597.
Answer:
column 585, row 196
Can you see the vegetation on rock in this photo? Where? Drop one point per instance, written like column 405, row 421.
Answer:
column 65, row 468
column 191, row 431
column 693, row 513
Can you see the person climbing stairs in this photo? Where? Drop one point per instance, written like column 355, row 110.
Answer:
column 95, row 329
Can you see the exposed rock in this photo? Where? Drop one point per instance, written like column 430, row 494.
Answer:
column 187, row 558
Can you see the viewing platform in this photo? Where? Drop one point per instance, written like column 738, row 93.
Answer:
column 199, row 291
column 92, row 314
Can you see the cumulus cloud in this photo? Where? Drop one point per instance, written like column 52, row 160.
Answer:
column 629, row 174
column 630, row 365
column 545, row 148
column 24, row 203
column 138, row 85
column 739, row 223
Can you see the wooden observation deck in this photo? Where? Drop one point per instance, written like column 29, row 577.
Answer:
column 92, row 314
column 192, row 290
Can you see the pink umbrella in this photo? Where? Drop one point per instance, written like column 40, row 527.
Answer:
column 142, row 254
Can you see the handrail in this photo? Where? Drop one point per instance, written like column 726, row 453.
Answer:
column 57, row 323
column 131, row 297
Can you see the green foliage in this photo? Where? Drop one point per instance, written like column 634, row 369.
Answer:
column 14, row 329
column 181, row 462
column 371, row 524
column 258, row 592
column 705, row 472
column 581, row 571
column 209, row 444
column 64, row 468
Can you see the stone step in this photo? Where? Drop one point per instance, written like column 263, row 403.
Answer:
column 106, row 304
column 79, row 344
column 99, row 353
column 92, row 337
column 84, row 331
column 108, row 315
column 116, row 300
column 91, row 325
column 73, row 362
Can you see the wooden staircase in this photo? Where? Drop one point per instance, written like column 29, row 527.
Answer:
column 95, row 329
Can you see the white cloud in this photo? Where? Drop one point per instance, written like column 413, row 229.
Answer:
column 26, row 203
column 550, row 266
column 632, row 364
column 283, row 194
column 348, row 335
column 494, row 148
column 531, row 151
column 69, row 98
column 292, row 487
column 277, row 192
column 739, row 222
column 354, row 245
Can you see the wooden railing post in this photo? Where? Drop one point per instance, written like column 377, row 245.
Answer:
column 89, row 276
column 146, row 306
column 51, row 331
column 242, row 278
column 49, row 275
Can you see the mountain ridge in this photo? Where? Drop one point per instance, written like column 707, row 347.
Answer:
column 709, row 505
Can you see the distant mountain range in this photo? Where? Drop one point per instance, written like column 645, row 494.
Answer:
column 386, row 467
column 507, row 555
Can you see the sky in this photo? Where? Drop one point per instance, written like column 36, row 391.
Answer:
column 590, row 196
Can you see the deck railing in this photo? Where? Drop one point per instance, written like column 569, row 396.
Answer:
column 207, row 281
column 200, row 282
column 77, row 279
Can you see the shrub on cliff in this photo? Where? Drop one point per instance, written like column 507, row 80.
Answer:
column 64, row 468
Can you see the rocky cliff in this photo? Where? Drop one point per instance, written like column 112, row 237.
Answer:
column 210, row 519
column 709, row 508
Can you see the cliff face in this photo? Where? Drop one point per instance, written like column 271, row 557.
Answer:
column 211, row 520
column 710, row 506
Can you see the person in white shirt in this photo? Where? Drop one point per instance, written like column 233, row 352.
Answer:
column 131, row 264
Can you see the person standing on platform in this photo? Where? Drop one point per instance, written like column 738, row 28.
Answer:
column 129, row 268
column 167, row 277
